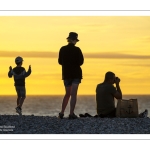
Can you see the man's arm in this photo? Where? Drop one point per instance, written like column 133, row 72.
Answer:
column 118, row 94
column 60, row 57
column 81, row 58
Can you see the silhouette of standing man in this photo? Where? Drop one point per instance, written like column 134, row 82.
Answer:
column 71, row 58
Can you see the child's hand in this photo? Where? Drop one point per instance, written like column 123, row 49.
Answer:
column 10, row 68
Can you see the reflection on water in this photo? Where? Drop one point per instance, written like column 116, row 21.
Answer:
column 51, row 105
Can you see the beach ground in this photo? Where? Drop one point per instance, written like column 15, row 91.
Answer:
column 30, row 124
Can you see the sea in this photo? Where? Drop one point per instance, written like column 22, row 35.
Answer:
column 50, row 105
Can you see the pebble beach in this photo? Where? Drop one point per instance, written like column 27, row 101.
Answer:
column 30, row 124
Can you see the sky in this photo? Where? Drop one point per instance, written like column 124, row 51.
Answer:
column 122, row 48
column 119, row 44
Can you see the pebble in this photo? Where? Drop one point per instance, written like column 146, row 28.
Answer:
column 31, row 124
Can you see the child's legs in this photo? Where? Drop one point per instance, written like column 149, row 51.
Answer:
column 21, row 93
column 18, row 99
column 18, row 94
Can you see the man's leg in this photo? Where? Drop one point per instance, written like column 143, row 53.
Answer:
column 66, row 99
column 73, row 100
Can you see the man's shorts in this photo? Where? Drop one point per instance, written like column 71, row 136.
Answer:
column 69, row 82
column 21, row 91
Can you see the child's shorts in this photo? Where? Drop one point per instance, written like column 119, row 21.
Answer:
column 69, row 82
column 21, row 91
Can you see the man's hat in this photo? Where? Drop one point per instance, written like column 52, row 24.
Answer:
column 73, row 36
column 18, row 59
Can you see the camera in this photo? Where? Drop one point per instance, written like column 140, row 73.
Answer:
column 115, row 79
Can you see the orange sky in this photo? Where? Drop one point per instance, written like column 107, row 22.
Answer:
column 109, row 43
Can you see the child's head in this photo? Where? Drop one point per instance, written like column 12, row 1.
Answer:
column 18, row 60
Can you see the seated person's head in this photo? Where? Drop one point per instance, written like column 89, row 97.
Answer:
column 109, row 77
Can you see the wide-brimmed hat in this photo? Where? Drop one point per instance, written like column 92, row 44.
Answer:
column 73, row 36
column 18, row 59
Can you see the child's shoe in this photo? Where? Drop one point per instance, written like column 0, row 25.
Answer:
column 61, row 116
column 19, row 110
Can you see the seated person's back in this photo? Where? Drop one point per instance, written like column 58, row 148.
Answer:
column 105, row 94
column 105, row 98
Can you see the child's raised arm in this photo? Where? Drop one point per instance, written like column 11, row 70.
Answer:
column 10, row 72
column 28, row 72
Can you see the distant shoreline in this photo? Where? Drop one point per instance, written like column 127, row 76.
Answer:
column 84, row 95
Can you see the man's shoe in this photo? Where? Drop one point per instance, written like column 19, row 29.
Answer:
column 61, row 116
column 73, row 116
column 19, row 110
column 144, row 114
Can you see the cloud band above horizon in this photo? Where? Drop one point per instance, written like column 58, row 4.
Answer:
column 96, row 55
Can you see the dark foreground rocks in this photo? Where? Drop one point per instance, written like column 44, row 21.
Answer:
column 14, row 124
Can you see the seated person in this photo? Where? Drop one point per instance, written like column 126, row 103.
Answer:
column 105, row 94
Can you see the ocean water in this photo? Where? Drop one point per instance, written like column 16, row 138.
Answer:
column 51, row 105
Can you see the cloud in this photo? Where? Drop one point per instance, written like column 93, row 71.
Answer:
column 115, row 55
column 136, row 65
column 145, row 39
column 142, row 40
column 96, row 55
column 28, row 54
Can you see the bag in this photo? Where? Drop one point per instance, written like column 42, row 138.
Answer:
column 127, row 108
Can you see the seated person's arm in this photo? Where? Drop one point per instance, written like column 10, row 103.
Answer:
column 118, row 95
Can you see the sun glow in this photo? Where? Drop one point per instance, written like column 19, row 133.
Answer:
column 118, row 44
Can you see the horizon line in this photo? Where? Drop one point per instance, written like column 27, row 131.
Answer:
column 74, row 10
column 63, row 94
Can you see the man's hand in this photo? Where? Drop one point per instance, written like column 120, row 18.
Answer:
column 29, row 66
column 10, row 68
column 118, row 94
column 117, row 80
